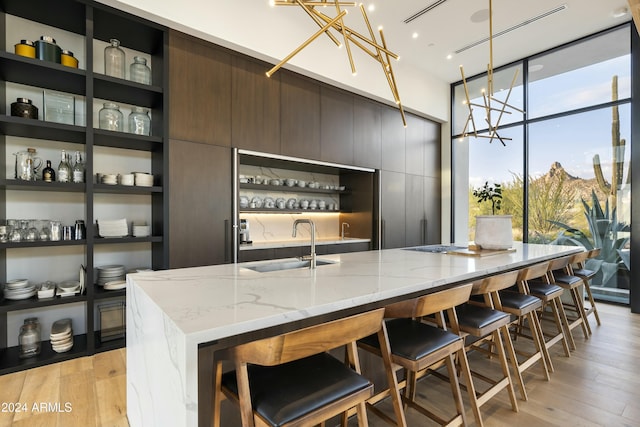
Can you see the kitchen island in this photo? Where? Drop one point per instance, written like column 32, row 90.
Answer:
column 178, row 319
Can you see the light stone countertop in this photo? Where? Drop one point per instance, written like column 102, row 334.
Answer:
column 171, row 313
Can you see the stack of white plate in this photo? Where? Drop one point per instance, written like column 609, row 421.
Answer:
column 61, row 335
column 140, row 230
column 143, row 179
column 110, row 179
column 113, row 227
column 111, row 277
column 19, row 289
column 68, row 288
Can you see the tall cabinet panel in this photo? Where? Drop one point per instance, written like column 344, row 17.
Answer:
column 255, row 106
column 200, row 208
column 200, row 91
column 392, row 213
column 300, row 116
column 393, row 141
column 336, row 126
column 366, row 134
column 414, row 214
column 69, row 99
column 415, row 145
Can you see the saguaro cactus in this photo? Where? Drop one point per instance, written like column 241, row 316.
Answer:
column 618, row 147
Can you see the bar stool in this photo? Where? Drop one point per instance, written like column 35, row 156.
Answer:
column 290, row 380
column 560, row 273
column 418, row 347
column 550, row 295
column 521, row 307
column 485, row 325
column 579, row 269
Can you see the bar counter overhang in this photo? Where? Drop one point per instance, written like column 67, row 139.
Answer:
column 177, row 319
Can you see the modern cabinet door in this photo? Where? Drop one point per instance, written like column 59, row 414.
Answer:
column 414, row 145
column 255, row 106
column 392, row 212
column 393, row 141
column 432, row 211
column 414, row 210
column 200, row 211
column 200, row 86
column 336, row 126
column 300, row 116
column 366, row 133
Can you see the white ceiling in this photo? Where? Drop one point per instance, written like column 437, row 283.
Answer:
column 448, row 27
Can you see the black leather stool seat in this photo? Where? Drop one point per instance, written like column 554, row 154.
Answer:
column 566, row 279
column 412, row 339
column 474, row 319
column 544, row 290
column 516, row 301
column 284, row 393
column 584, row 272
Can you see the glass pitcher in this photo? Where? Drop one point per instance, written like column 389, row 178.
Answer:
column 27, row 165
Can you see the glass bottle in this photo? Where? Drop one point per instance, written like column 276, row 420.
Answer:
column 139, row 71
column 110, row 117
column 29, row 338
column 139, row 121
column 78, row 169
column 114, row 60
column 48, row 174
column 64, row 169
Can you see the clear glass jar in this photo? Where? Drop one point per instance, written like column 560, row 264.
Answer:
column 139, row 71
column 139, row 121
column 29, row 338
column 110, row 117
column 114, row 60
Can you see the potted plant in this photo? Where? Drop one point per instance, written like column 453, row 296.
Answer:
column 492, row 231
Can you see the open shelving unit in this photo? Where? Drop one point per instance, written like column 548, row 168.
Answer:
column 91, row 24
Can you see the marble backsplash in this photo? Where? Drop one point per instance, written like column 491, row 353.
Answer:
column 264, row 228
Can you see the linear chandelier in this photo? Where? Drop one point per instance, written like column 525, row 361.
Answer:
column 349, row 37
column 493, row 107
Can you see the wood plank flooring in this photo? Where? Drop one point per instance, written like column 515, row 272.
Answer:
column 599, row 385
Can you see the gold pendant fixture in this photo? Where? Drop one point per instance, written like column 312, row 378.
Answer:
column 493, row 107
column 349, row 37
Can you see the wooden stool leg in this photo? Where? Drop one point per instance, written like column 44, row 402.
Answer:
column 505, row 368
column 455, row 387
column 217, row 391
column 587, row 287
column 514, row 362
column 538, row 340
column 580, row 311
column 465, row 373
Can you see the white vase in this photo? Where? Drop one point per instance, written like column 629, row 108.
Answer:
column 494, row 232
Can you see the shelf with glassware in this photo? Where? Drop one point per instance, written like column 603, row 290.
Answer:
column 85, row 27
column 263, row 198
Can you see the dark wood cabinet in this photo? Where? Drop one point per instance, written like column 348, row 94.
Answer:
column 200, row 211
column 432, row 149
column 392, row 212
column 414, row 145
column 255, row 106
column 432, row 211
column 393, row 140
column 336, row 126
column 200, row 87
column 414, row 210
column 367, row 134
column 300, row 116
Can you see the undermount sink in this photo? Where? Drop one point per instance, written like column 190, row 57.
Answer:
column 288, row 265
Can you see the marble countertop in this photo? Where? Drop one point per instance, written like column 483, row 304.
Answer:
column 215, row 302
column 301, row 242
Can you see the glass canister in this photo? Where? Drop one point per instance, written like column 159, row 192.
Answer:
column 23, row 107
column 110, row 117
column 114, row 60
column 139, row 121
column 139, row 71
column 29, row 338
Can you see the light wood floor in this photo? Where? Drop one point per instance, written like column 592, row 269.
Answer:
column 599, row 385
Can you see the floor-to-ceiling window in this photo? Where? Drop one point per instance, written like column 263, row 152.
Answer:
column 564, row 170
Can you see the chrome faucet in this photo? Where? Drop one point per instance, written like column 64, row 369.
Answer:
column 312, row 264
column 343, row 224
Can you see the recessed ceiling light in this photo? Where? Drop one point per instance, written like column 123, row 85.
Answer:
column 414, row 35
column 480, row 16
column 371, row 7
column 620, row 12
column 535, row 67
column 449, row 56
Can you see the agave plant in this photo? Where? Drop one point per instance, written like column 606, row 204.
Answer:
column 603, row 233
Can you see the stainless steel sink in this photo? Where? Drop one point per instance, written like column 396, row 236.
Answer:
column 288, row 265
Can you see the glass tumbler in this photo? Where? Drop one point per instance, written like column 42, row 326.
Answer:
column 110, row 117
column 29, row 338
column 139, row 71
column 114, row 60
